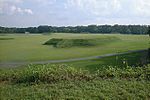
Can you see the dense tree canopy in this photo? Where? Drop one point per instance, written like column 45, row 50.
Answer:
column 122, row 29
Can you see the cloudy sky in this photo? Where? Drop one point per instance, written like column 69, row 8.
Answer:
column 24, row 13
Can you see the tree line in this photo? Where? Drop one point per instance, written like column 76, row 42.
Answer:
column 122, row 29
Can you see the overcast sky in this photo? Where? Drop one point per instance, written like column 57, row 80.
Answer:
column 24, row 13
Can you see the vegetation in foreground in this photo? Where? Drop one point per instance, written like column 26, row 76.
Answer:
column 66, row 82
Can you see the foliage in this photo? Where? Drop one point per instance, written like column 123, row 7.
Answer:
column 66, row 82
column 55, row 73
column 43, row 73
column 123, row 29
column 78, row 90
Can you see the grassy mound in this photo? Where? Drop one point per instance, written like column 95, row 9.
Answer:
column 64, row 43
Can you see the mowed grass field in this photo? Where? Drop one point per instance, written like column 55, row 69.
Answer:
column 17, row 47
column 121, row 61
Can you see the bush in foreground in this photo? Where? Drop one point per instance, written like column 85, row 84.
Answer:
column 57, row 82
column 55, row 73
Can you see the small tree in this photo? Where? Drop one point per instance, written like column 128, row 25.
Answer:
column 148, row 31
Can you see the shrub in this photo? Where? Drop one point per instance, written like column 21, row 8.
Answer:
column 55, row 73
column 44, row 73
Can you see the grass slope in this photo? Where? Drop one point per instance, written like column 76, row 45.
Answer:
column 66, row 43
column 30, row 48
column 66, row 82
column 131, row 59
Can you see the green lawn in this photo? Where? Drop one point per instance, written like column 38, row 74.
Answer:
column 29, row 47
column 131, row 59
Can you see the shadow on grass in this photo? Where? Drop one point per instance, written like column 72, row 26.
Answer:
column 6, row 38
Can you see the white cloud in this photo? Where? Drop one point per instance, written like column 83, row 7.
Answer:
column 45, row 2
column 111, row 7
column 10, row 1
column 10, row 7
column 29, row 11
column 16, row 10
column 96, row 7
column 142, row 7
